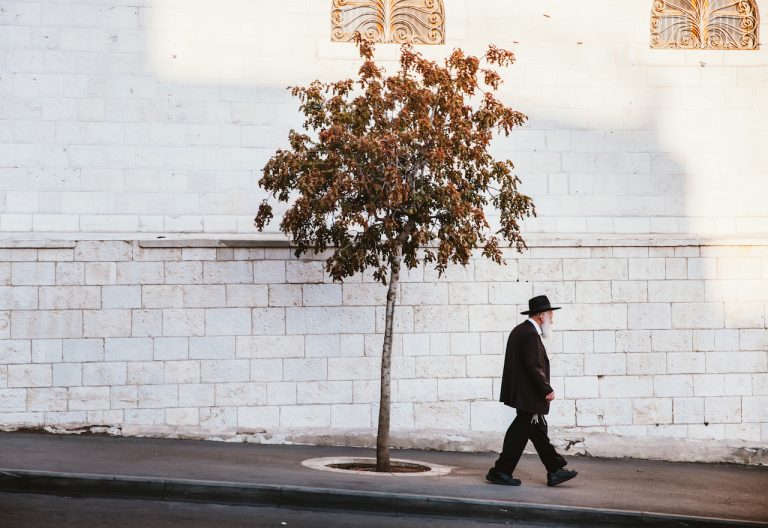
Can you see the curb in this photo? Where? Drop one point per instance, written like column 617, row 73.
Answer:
column 154, row 488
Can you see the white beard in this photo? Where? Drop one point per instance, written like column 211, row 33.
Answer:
column 546, row 329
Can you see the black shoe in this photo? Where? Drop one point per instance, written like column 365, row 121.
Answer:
column 499, row 477
column 560, row 476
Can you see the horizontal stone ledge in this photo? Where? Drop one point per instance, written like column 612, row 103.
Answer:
column 277, row 240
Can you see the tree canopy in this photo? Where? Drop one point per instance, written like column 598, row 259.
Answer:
column 393, row 169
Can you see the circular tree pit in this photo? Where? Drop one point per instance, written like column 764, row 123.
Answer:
column 367, row 466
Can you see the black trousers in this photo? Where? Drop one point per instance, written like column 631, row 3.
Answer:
column 522, row 429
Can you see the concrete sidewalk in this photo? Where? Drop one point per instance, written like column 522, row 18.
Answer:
column 607, row 491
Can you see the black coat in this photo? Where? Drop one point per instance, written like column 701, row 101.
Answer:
column 525, row 381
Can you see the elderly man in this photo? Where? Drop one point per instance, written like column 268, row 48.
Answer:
column 525, row 386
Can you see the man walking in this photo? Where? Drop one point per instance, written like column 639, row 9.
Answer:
column 525, row 386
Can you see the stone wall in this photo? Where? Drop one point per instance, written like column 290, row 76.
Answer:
column 158, row 115
column 661, row 349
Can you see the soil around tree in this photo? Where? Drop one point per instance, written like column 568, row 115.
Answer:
column 394, row 467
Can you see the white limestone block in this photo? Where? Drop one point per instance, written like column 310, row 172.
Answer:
column 708, row 385
column 15, row 351
column 593, row 291
column 227, row 272
column 47, row 324
column 442, row 415
column 145, row 372
column 330, row 320
column 331, row 392
column 237, row 394
column 107, row 323
column 616, row 411
column 69, row 297
column 266, row 370
column 756, row 339
column 170, row 348
column 581, row 387
column 626, row 386
column 212, row 347
column 13, row 400
column 672, row 340
column 196, row 395
column 484, row 366
column 649, row 316
column 281, row 393
column 697, row 315
column 70, row 273
column 227, row 321
column 181, row 372
column 323, row 345
column 243, row 295
column 116, row 297
column 651, row 411
column 67, row 374
column 605, row 364
column 258, row 417
column 269, row 272
column 364, row 294
column 629, row 291
column 686, row 362
column 270, row 346
column 124, row 397
column 98, row 374
column 103, row 250
column 440, row 367
column 158, row 396
column 508, row 293
column 744, row 315
column 322, row 295
column 185, row 322
column 100, row 273
column 485, row 270
column 688, row 410
column 646, row 268
column 128, row 349
column 89, row 398
column 305, row 416
column 458, row 389
column 285, row 295
column 33, row 273
column 30, row 375
column 719, row 410
column 596, row 269
column 268, row 321
column 702, row 268
column 304, row 271
column 18, row 298
column 673, row 385
column 351, row 416
column 182, row 416
column 162, row 296
column 184, row 272
column 539, row 270
column 676, row 291
column 646, row 363
column 146, row 323
column 133, row 273
column 482, row 318
column 754, row 409
column 732, row 362
column 225, row 371
column 593, row 317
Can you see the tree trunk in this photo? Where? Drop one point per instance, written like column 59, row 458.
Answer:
column 382, row 438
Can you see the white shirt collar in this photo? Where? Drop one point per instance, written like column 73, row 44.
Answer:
column 535, row 325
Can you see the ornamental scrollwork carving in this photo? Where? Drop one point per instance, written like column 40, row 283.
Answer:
column 704, row 24
column 392, row 21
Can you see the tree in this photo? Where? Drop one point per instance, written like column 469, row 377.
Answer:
column 397, row 171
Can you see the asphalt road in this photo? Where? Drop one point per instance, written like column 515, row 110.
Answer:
column 44, row 511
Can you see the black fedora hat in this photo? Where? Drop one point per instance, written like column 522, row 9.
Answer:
column 539, row 304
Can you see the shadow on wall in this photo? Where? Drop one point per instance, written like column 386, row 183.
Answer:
column 622, row 139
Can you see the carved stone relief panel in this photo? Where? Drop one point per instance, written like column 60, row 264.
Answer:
column 395, row 21
column 704, row 24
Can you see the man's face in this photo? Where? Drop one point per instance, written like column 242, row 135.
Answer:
column 548, row 317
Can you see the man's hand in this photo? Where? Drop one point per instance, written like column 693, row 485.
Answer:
column 550, row 396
